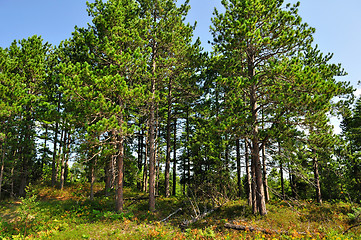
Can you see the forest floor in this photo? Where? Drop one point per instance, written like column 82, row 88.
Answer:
column 69, row 214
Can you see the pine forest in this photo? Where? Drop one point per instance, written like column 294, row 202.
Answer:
column 131, row 130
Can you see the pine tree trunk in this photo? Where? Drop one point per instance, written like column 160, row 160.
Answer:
column 249, row 183
column 2, row 167
column 317, row 179
column 62, row 170
column 145, row 170
column 238, row 162
column 281, row 172
column 12, row 194
column 265, row 181
column 292, row 181
column 92, row 176
column 188, row 153
column 152, row 136
column 54, row 170
column 120, row 167
column 261, row 203
column 175, row 158
column 254, row 187
column 140, row 158
column 167, row 160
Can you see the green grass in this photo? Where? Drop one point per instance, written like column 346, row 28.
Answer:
column 69, row 214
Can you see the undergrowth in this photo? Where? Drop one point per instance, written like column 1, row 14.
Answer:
column 47, row 213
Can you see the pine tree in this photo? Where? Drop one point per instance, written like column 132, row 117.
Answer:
column 262, row 50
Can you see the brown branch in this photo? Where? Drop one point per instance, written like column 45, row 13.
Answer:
column 348, row 229
column 255, row 229
column 165, row 219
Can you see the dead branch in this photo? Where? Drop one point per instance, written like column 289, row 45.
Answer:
column 186, row 223
column 348, row 229
column 255, row 229
column 165, row 219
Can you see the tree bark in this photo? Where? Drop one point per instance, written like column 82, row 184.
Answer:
column 2, row 167
column 152, row 131
column 249, row 183
column 92, row 176
column 167, row 160
column 175, row 158
column 317, row 179
column 281, row 172
column 54, row 170
column 62, row 170
column 261, row 203
column 120, row 179
column 265, row 181
column 140, row 158
column 238, row 161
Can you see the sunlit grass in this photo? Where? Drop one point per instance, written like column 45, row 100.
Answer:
column 69, row 214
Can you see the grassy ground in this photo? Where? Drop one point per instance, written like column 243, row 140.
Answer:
column 69, row 214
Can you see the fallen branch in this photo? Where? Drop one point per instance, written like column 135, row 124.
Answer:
column 186, row 223
column 348, row 229
column 255, row 229
column 165, row 219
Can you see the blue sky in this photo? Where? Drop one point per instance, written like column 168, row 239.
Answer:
column 337, row 23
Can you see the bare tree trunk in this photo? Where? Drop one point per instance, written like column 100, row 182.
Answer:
column 140, row 158
column 2, row 167
column 167, row 160
column 249, row 183
column 54, row 163
column 175, row 157
column 145, row 170
column 317, row 179
column 261, row 203
column 188, row 154
column 265, row 182
column 281, row 172
column 158, row 169
column 152, row 132
column 64, row 149
column 12, row 194
column 292, row 181
column 238, row 160
column 92, row 176
column 120, row 167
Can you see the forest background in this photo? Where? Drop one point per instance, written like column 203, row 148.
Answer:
column 108, row 121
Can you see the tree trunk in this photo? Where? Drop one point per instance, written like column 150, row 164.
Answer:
column 167, row 160
column 174, row 157
column 12, row 194
column 64, row 149
column 92, row 176
column 54, row 164
column 152, row 132
column 2, row 167
column 249, row 183
column 145, row 170
column 317, row 179
column 292, row 181
column 281, row 172
column 238, row 160
column 140, row 158
column 265, row 182
column 188, row 153
column 261, row 203
column 120, row 179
